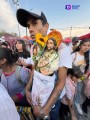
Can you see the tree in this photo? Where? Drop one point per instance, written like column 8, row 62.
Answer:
column 2, row 33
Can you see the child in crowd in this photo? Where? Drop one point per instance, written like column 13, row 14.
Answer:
column 15, row 87
column 70, row 86
column 80, row 58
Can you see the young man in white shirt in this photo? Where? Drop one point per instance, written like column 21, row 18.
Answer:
column 37, row 23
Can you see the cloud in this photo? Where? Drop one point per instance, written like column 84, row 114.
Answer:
column 8, row 20
column 75, row 32
column 7, row 17
column 9, row 23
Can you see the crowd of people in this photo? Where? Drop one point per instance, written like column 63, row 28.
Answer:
column 60, row 77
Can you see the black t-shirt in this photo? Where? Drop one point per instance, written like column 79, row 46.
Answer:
column 24, row 54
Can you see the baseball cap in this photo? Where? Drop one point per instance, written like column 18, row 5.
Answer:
column 67, row 40
column 75, row 39
column 22, row 16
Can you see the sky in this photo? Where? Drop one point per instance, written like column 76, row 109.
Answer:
column 73, row 22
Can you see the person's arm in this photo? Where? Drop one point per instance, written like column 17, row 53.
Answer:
column 23, row 63
column 28, row 87
column 71, row 107
column 18, row 63
column 62, row 73
column 70, row 97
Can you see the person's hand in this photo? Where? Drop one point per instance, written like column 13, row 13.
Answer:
column 85, row 76
column 15, row 98
column 21, row 61
column 36, row 111
column 18, row 62
column 74, row 118
column 39, row 111
column 28, row 97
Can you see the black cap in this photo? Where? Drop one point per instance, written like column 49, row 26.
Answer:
column 22, row 16
column 75, row 39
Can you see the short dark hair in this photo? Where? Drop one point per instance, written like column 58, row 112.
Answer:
column 72, row 73
column 9, row 55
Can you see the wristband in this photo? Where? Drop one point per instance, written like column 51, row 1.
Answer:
column 45, row 117
column 41, row 112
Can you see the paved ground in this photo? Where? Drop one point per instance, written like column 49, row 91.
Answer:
column 79, row 117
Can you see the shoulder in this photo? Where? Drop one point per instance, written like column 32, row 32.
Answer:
column 29, row 60
column 63, row 49
column 24, row 70
column 73, row 55
column 24, row 74
column 64, row 56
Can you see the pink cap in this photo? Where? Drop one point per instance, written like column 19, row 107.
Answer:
column 67, row 40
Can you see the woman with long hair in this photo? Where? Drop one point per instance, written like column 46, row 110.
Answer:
column 80, row 58
column 24, row 54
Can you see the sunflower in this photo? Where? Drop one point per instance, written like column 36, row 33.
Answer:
column 41, row 40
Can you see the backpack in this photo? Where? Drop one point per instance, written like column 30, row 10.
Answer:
column 25, row 112
column 17, row 73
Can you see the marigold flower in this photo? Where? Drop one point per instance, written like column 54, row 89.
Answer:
column 57, row 35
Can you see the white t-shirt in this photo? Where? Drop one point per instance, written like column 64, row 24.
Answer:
column 65, row 56
column 28, row 60
column 65, row 60
column 70, row 47
column 79, row 60
column 7, row 107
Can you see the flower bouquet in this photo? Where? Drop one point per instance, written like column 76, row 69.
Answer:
column 56, row 35
column 39, row 44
